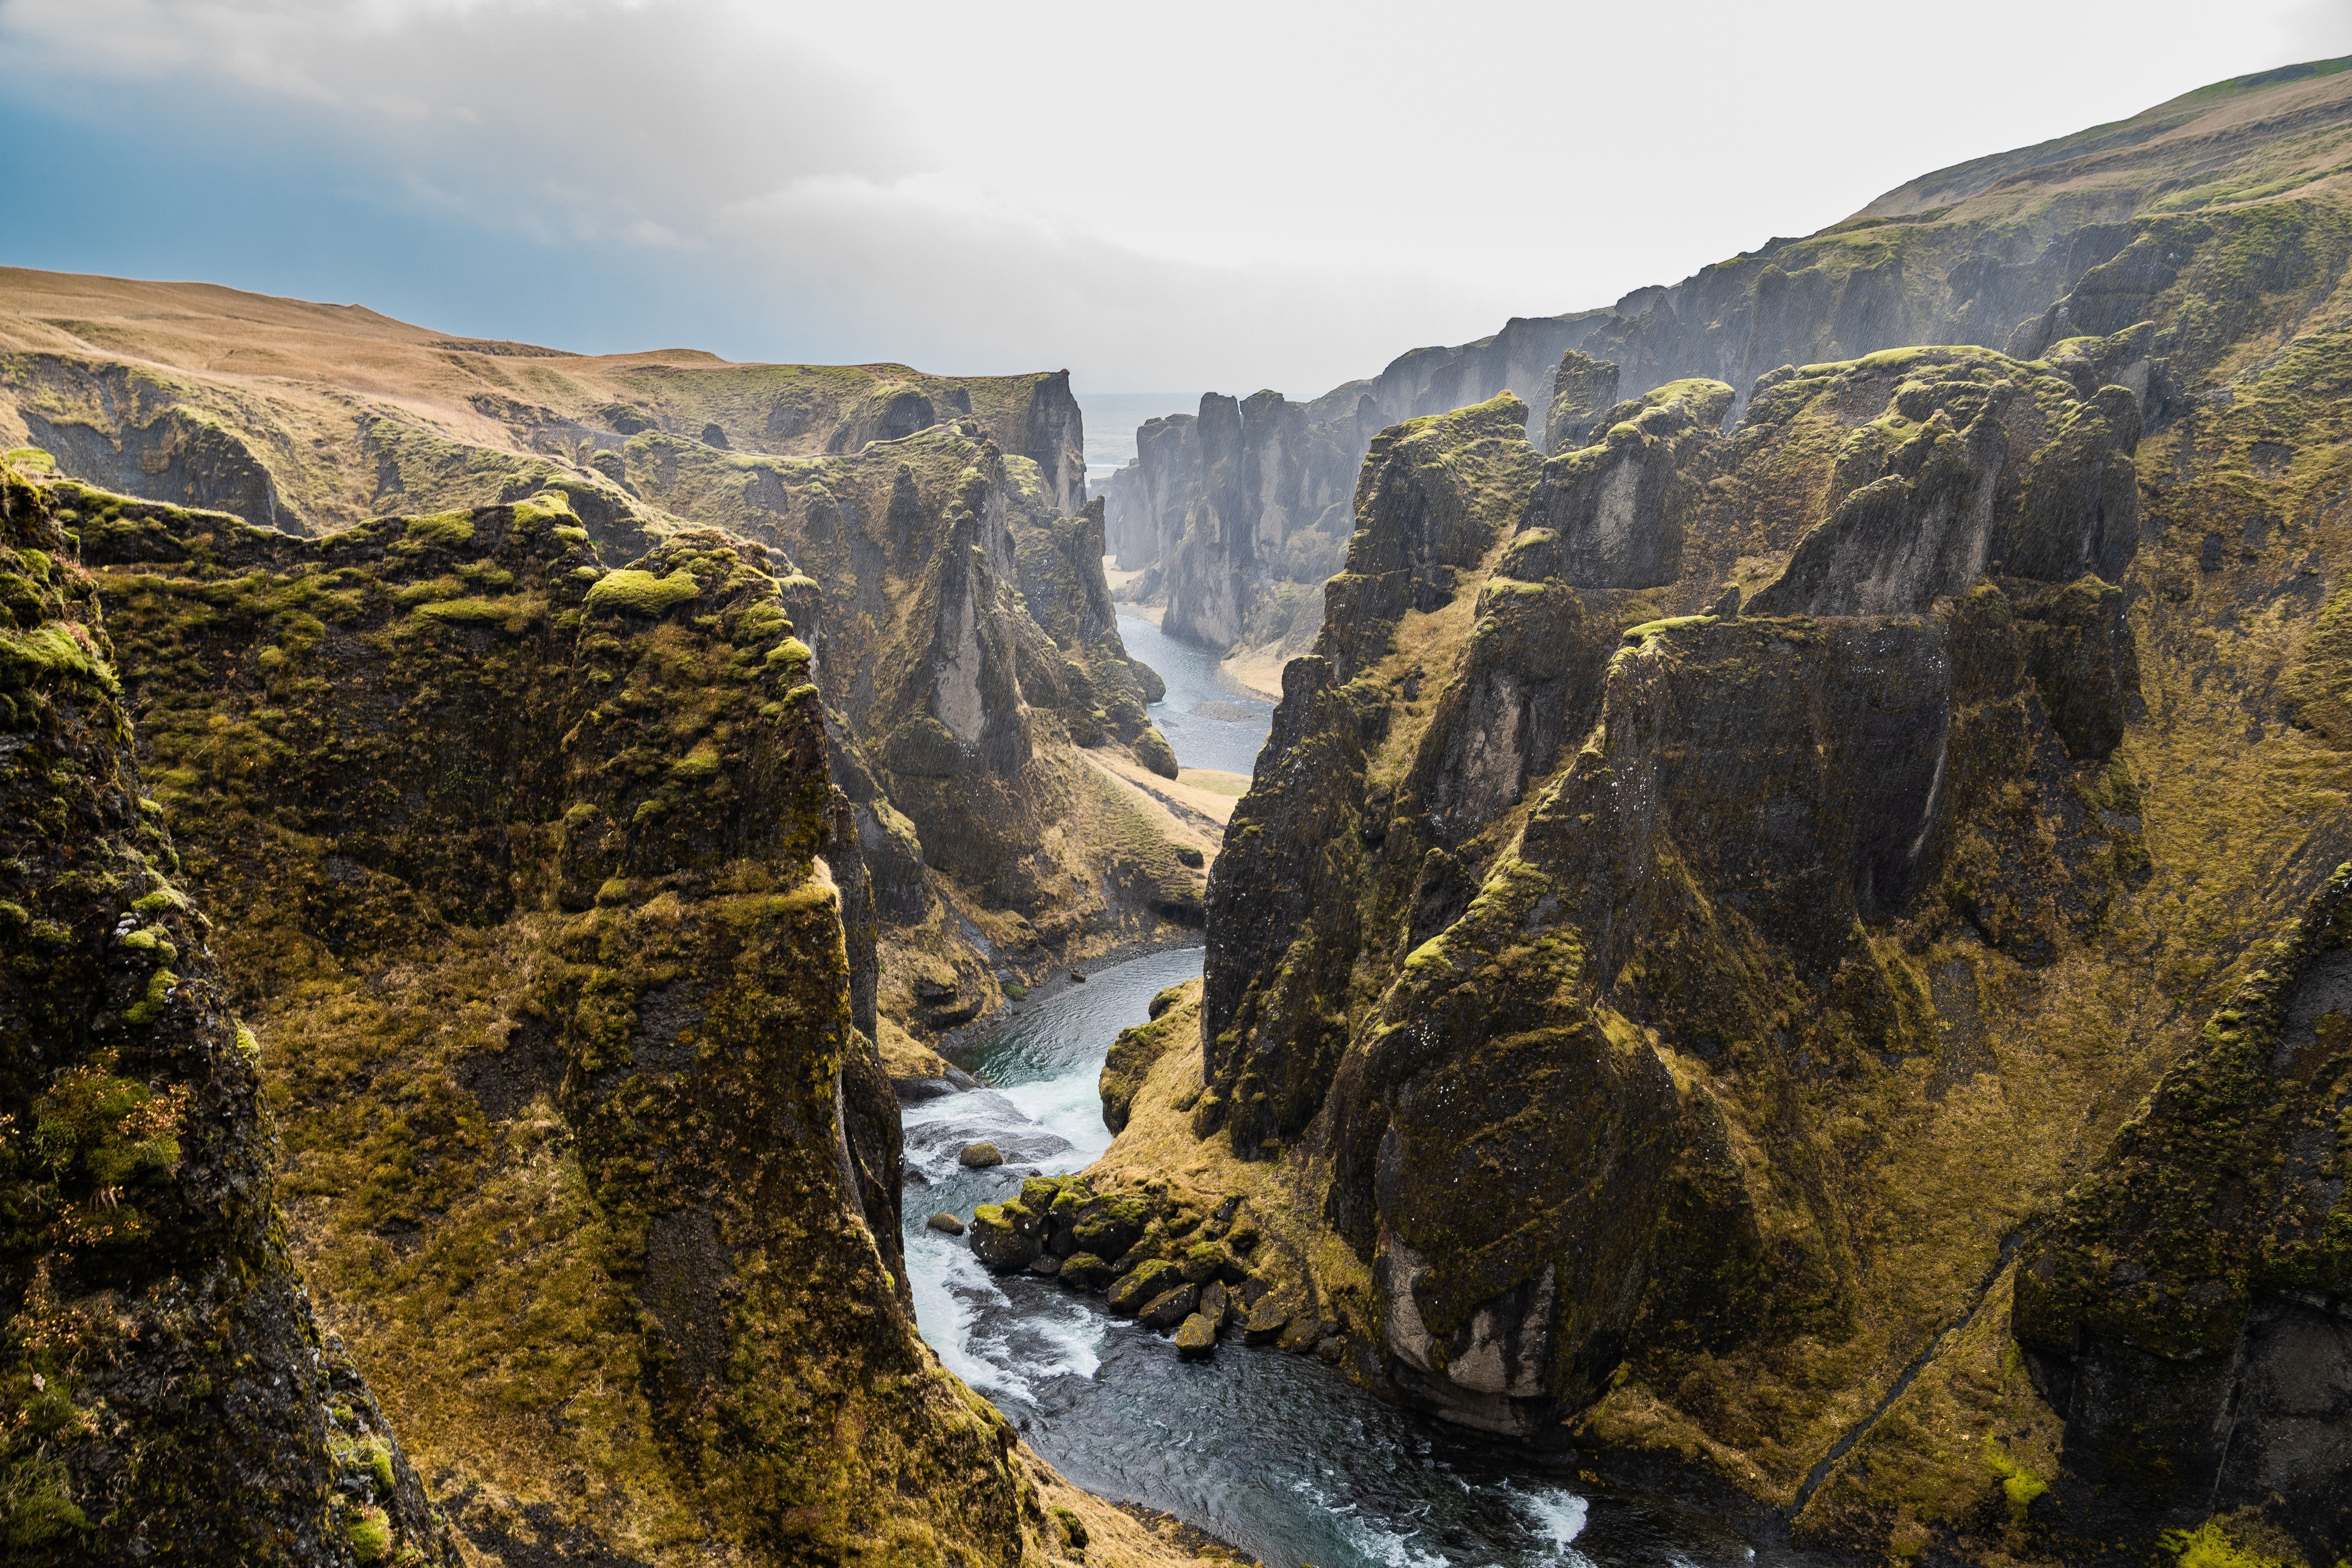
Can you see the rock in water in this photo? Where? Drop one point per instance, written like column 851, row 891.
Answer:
column 1085, row 1271
column 978, row 1156
column 947, row 1224
column 1164, row 1311
column 1140, row 1285
column 1196, row 1340
column 1006, row 1237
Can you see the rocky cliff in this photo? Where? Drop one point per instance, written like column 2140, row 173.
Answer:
column 1724, row 933
column 1235, row 510
column 926, row 512
column 169, row 1394
column 551, row 934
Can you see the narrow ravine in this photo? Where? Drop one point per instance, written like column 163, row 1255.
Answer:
column 1275, row 1453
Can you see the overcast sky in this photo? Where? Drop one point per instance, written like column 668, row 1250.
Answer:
column 1182, row 195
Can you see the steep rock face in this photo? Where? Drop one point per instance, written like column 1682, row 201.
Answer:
column 1582, row 925
column 169, row 1392
column 1583, row 390
column 2190, row 1311
column 540, row 882
column 960, row 714
column 943, row 676
column 1254, row 493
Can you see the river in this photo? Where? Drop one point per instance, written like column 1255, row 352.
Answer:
column 1211, row 720
column 1277, row 1453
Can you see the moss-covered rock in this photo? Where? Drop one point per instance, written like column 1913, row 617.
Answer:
column 556, row 939
column 168, row 1389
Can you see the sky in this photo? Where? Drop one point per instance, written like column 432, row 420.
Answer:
column 1172, row 196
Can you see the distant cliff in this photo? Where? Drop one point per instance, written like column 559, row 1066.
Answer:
column 1222, row 506
column 1979, row 254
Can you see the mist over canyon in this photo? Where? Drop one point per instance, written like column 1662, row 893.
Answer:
column 1710, row 930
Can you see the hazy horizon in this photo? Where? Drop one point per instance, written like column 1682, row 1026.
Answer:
column 1278, row 199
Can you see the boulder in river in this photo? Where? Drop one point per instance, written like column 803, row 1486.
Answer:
column 1202, row 1262
column 1165, row 1311
column 1214, row 1304
column 1006, row 1237
column 946, row 1223
column 1140, row 1285
column 978, row 1156
column 1085, row 1271
column 1045, row 1263
column 1197, row 1339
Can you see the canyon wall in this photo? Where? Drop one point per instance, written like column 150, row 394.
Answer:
column 1225, row 508
column 169, row 1392
column 555, row 945
column 1796, row 938
column 926, row 512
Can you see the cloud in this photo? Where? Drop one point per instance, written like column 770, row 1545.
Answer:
column 1229, row 195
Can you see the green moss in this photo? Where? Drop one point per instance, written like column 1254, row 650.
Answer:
column 1648, row 629
column 791, row 651
column 2019, row 1485
column 49, row 653
column 641, row 593
column 447, row 530
column 31, row 459
column 2212, row 1545
column 369, row 1532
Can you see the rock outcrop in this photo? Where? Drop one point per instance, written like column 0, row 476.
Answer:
column 169, row 1394
column 549, row 925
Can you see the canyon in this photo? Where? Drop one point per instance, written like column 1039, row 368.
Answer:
column 1785, row 951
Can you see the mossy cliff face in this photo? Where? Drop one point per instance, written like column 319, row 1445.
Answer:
column 1681, row 1013
column 590, row 1158
column 168, row 1396
column 961, row 715
column 2187, row 1311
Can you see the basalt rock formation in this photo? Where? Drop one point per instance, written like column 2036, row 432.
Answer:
column 1724, row 929
column 554, row 940
column 169, row 1394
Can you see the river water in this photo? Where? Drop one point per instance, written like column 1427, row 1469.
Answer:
column 1277, row 1453
column 1211, row 720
